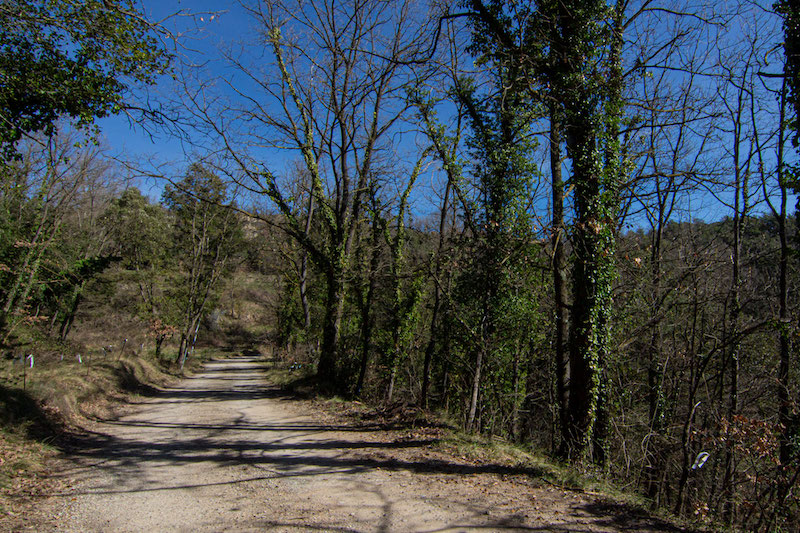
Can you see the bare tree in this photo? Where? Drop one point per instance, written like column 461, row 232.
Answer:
column 39, row 192
column 334, row 94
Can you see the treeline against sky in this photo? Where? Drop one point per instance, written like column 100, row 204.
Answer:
column 563, row 291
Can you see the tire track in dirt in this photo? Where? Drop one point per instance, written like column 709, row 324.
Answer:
column 225, row 451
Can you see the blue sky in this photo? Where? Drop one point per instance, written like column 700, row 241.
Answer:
column 203, row 28
column 200, row 26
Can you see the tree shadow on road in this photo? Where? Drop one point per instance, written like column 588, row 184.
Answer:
column 289, row 448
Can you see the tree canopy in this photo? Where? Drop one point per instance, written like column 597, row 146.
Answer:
column 70, row 58
column 490, row 211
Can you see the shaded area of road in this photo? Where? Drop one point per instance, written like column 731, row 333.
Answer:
column 225, row 451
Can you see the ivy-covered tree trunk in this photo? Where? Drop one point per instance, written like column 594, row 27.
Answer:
column 303, row 284
column 584, row 56
column 331, row 327
column 406, row 296
column 791, row 71
column 69, row 317
column 590, row 314
column 559, row 268
column 444, row 150
column 366, row 297
column 27, row 270
column 23, row 282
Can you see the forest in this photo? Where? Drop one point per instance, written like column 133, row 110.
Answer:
column 570, row 225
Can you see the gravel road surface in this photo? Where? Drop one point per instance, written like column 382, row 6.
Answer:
column 224, row 451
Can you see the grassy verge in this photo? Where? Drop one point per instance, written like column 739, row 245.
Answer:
column 297, row 379
column 24, row 448
column 448, row 440
column 40, row 406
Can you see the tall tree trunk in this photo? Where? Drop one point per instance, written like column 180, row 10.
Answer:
column 592, row 139
column 475, row 389
column 304, row 269
column 652, row 461
column 159, row 343
column 740, row 208
column 69, row 318
column 729, row 509
column 784, row 405
column 367, row 320
column 437, row 295
column 785, row 323
column 23, row 283
column 559, row 267
column 515, row 386
column 430, row 347
column 591, row 278
column 28, row 271
column 181, row 350
column 392, row 378
column 334, row 307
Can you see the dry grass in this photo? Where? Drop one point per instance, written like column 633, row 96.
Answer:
column 449, row 440
column 22, row 466
column 39, row 405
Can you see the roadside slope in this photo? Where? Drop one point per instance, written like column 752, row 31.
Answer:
column 224, row 451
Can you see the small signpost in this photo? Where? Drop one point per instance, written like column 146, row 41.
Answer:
column 25, row 362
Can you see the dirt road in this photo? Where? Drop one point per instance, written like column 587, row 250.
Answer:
column 225, row 452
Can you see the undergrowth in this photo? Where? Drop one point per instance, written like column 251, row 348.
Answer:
column 449, row 439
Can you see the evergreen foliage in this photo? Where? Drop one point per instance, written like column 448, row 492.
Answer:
column 70, row 58
column 206, row 236
column 663, row 356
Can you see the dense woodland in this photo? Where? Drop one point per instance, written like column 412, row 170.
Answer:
column 567, row 224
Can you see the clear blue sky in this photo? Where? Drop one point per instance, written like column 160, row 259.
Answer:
column 202, row 26
column 199, row 26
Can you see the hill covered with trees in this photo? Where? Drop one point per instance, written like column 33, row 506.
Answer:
column 491, row 210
